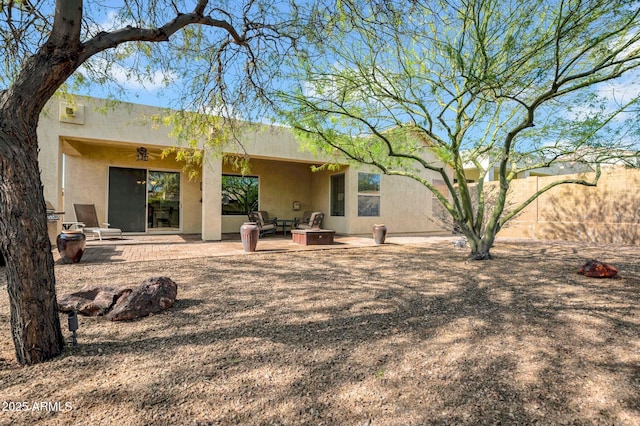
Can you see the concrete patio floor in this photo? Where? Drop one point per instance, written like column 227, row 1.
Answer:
column 161, row 247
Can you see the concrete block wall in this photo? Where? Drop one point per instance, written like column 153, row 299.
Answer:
column 607, row 213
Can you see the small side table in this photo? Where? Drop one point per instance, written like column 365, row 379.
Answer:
column 287, row 223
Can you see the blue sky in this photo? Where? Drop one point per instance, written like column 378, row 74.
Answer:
column 135, row 93
column 154, row 91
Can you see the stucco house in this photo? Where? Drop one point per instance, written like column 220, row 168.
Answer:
column 110, row 157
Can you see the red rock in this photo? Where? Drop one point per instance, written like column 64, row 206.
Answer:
column 153, row 296
column 596, row 269
column 90, row 300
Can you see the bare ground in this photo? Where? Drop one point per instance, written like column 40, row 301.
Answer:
column 389, row 335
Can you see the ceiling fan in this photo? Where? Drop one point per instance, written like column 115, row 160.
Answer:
column 143, row 154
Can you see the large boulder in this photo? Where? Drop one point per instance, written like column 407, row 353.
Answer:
column 90, row 300
column 154, row 295
column 597, row 269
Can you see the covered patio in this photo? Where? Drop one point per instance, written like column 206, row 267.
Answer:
column 151, row 248
column 115, row 159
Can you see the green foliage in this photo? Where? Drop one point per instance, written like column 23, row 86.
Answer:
column 416, row 87
column 222, row 63
column 240, row 194
column 163, row 186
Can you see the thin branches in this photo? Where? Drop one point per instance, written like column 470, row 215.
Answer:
column 460, row 83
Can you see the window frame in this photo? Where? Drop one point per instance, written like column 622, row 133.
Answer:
column 369, row 194
column 336, row 201
column 254, row 205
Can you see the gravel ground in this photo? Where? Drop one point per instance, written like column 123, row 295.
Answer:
column 388, row 335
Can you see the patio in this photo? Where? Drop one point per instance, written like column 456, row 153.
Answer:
column 167, row 247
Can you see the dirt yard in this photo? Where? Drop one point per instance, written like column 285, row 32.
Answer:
column 388, row 335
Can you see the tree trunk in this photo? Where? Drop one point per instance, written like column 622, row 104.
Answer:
column 24, row 241
column 35, row 323
column 481, row 252
column 480, row 247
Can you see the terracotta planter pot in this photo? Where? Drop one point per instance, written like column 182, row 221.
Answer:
column 379, row 233
column 249, row 234
column 71, row 246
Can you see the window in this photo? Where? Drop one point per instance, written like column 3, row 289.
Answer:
column 163, row 202
column 239, row 194
column 368, row 194
column 337, row 195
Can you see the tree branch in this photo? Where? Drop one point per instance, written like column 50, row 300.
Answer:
column 67, row 23
column 533, row 197
column 107, row 40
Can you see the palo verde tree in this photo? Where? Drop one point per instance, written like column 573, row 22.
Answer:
column 218, row 49
column 500, row 85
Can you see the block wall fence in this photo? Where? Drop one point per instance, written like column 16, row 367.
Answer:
column 607, row 213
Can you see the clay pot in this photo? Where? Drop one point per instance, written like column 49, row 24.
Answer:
column 249, row 234
column 379, row 233
column 71, row 246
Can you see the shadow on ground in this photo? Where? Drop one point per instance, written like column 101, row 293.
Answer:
column 391, row 335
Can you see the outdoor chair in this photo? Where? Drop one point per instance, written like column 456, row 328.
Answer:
column 265, row 225
column 87, row 221
column 314, row 221
column 306, row 217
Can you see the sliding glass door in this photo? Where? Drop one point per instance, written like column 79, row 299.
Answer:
column 163, row 210
column 143, row 200
column 127, row 198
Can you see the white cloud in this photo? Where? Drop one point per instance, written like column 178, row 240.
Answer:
column 629, row 51
column 126, row 77
column 131, row 79
column 110, row 22
column 622, row 90
column 154, row 81
column 615, row 94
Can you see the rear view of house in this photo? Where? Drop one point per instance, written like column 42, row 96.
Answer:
column 114, row 161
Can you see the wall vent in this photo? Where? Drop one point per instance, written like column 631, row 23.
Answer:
column 71, row 113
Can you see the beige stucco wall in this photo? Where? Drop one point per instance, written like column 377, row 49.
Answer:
column 86, row 181
column 98, row 136
column 608, row 213
column 269, row 142
column 405, row 205
column 122, row 129
column 281, row 183
column 321, row 188
column 211, row 196
column 50, row 161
